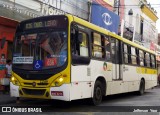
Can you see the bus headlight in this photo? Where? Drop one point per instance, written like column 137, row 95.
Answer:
column 58, row 82
column 14, row 81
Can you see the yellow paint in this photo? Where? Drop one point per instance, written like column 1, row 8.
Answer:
column 142, row 70
column 109, row 67
column 110, row 2
column 147, row 11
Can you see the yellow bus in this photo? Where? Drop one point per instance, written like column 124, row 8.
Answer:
column 66, row 58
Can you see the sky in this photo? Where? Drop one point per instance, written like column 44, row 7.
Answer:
column 156, row 5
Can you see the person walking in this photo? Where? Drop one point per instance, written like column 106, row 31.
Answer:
column 8, row 74
column 9, row 68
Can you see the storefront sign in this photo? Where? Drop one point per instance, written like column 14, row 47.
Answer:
column 48, row 8
column 51, row 10
column 18, row 10
column 2, row 66
column 104, row 18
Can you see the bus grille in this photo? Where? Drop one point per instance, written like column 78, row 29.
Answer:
column 35, row 76
column 39, row 84
column 33, row 91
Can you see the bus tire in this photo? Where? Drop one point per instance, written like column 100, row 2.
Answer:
column 98, row 93
column 141, row 87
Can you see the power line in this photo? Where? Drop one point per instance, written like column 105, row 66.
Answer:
column 128, row 5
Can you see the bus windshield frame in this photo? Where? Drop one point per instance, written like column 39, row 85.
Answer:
column 42, row 41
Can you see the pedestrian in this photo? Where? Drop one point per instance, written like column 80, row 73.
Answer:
column 8, row 73
column 9, row 68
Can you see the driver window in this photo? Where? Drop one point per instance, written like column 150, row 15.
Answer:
column 80, row 49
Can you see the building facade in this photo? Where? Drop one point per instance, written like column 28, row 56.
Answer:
column 140, row 19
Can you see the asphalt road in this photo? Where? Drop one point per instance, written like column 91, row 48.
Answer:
column 128, row 102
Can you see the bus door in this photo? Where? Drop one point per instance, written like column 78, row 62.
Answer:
column 130, row 62
column 80, row 69
column 116, row 57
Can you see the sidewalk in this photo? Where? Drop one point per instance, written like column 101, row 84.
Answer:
column 6, row 98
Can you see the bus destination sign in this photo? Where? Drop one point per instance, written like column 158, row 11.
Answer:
column 50, row 23
column 58, row 23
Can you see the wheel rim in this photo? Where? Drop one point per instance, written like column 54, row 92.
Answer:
column 98, row 94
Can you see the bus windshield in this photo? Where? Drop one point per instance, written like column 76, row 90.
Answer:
column 49, row 48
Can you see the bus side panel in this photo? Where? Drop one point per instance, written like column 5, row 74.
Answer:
column 130, row 73
column 131, row 76
column 149, row 76
column 83, row 78
column 64, row 92
column 98, row 70
column 80, row 82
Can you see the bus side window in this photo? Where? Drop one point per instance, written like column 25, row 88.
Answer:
column 108, row 48
column 141, row 57
column 125, row 52
column 147, row 60
column 113, row 47
column 137, row 58
column 153, row 61
column 129, row 55
column 98, row 46
column 115, row 50
column 84, row 45
column 133, row 56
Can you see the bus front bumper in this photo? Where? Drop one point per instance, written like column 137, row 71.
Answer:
column 58, row 93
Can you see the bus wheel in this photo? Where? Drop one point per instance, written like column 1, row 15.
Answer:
column 97, row 96
column 141, row 88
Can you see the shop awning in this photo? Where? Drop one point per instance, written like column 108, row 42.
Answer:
column 8, row 22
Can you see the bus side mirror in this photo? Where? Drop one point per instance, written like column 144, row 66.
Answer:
column 3, row 42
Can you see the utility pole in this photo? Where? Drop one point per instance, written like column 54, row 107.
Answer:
column 117, row 6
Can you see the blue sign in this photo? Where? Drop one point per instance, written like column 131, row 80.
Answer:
column 103, row 17
column 2, row 67
column 38, row 64
column 63, row 57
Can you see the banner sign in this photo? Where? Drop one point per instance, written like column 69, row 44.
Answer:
column 110, row 2
column 104, row 18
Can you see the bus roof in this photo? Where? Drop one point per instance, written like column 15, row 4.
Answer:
column 89, row 25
